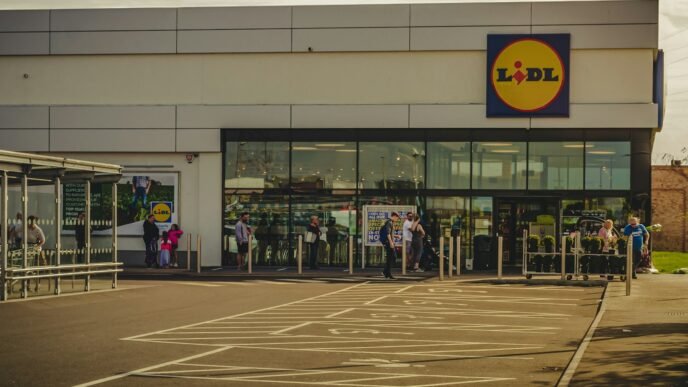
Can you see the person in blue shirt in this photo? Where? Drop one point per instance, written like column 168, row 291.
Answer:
column 640, row 239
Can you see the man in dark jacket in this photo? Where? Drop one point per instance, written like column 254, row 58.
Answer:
column 150, row 238
column 387, row 240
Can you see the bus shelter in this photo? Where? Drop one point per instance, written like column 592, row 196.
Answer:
column 50, row 227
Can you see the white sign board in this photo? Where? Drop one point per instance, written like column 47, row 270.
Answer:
column 374, row 216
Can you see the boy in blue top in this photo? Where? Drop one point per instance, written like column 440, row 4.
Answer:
column 640, row 238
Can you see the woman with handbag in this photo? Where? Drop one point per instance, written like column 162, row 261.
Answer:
column 313, row 240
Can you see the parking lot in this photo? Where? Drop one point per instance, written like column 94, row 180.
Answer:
column 374, row 333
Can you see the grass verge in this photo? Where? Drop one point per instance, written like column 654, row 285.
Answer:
column 668, row 261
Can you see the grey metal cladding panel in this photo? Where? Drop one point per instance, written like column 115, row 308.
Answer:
column 24, row 43
column 350, row 116
column 446, row 15
column 458, row 38
column 234, row 41
column 25, row 140
column 459, row 116
column 234, row 18
column 198, row 140
column 19, row 117
column 233, row 116
column 24, row 21
column 112, row 140
column 606, row 36
column 117, row 42
column 351, row 39
column 328, row 16
column 595, row 12
column 115, row 117
column 114, row 19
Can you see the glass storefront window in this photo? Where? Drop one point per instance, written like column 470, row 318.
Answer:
column 337, row 215
column 617, row 209
column 269, row 222
column 392, row 165
column 499, row 165
column 555, row 165
column 451, row 214
column 607, row 165
column 318, row 165
column 449, row 165
column 481, row 233
column 256, row 165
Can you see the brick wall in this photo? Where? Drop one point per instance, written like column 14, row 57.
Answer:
column 669, row 193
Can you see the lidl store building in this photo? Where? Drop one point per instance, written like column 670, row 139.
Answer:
column 489, row 117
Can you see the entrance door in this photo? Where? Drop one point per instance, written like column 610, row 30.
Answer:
column 514, row 215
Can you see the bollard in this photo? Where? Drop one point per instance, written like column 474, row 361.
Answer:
column 563, row 257
column 299, row 254
column 188, row 252
column 451, row 258
column 441, row 265
column 250, row 253
column 629, row 264
column 458, row 255
column 198, row 253
column 500, row 242
column 403, row 256
column 351, row 254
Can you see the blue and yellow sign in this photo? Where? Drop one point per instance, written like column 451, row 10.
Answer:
column 528, row 75
column 162, row 211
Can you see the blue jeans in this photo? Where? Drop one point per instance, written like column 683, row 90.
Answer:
column 140, row 193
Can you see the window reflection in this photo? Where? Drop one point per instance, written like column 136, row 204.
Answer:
column 257, row 164
column 318, row 165
column 555, row 165
column 607, row 165
column 449, row 165
column 392, row 165
column 499, row 165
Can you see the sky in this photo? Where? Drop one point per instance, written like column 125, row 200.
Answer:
column 670, row 143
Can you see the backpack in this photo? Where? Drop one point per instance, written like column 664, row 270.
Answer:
column 383, row 233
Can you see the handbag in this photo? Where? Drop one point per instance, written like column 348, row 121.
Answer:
column 310, row 237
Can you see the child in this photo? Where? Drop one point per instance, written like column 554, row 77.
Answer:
column 165, row 249
column 174, row 234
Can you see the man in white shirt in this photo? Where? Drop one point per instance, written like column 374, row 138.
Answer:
column 34, row 234
column 408, row 235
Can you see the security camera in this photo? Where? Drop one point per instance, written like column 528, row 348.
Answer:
column 190, row 157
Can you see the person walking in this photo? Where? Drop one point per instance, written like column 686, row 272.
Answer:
column 408, row 236
column 262, row 234
column 640, row 237
column 174, row 235
column 387, row 240
column 313, row 241
column 418, row 234
column 242, row 231
column 150, row 238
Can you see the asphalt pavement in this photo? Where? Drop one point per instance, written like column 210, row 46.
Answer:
column 410, row 332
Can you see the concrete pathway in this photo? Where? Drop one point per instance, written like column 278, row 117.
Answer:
column 641, row 339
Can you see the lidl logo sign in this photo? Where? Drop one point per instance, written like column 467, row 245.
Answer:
column 162, row 211
column 528, row 75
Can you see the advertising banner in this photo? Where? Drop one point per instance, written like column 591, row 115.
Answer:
column 143, row 193
column 374, row 216
column 528, row 75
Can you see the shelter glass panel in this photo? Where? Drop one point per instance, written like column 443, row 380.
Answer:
column 452, row 215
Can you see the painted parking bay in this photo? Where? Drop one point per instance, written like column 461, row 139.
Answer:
column 384, row 334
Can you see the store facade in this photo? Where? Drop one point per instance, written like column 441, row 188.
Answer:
column 291, row 111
